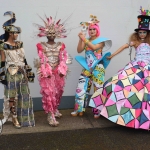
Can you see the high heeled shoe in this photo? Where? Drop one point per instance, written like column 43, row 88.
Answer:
column 15, row 122
column 58, row 114
column 52, row 121
column 75, row 113
column 14, row 115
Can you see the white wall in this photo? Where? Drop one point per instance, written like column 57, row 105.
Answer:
column 118, row 19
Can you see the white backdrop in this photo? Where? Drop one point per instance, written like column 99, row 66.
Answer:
column 118, row 19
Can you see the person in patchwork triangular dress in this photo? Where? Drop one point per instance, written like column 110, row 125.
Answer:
column 125, row 97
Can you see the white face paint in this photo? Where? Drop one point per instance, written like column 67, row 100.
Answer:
column 142, row 34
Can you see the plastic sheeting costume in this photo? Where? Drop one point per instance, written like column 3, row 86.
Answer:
column 125, row 97
column 15, row 74
column 52, row 68
column 94, row 64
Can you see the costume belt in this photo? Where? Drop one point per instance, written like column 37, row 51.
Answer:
column 13, row 69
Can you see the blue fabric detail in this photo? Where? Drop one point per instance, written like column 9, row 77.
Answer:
column 127, row 117
column 148, row 97
column 2, row 37
column 137, row 106
column 120, row 84
column 143, row 118
column 140, row 74
column 137, row 67
column 82, row 61
column 24, row 112
column 114, row 118
column 90, row 53
column 12, row 20
column 99, row 40
column 135, row 81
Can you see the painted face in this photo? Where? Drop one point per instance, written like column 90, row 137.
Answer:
column 90, row 60
column 51, row 33
column 92, row 32
column 142, row 34
column 81, row 86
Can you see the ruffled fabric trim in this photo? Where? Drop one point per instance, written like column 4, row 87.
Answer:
column 62, row 67
column 51, row 91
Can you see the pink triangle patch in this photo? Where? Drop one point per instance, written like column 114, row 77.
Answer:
column 128, row 88
column 145, row 125
column 120, row 76
column 145, row 73
column 124, row 73
column 131, row 124
column 134, row 70
column 138, row 112
column 104, row 112
column 136, row 124
column 127, row 104
column 117, row 88
column 119, row 104
column 109, row 102
column 97, row 100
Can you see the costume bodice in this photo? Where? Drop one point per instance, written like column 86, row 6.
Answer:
column 14, row 55
column 52, row 53
column 92, row 57
column 143, row 52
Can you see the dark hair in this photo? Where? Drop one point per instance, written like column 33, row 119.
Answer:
column 135, row 37
column 6, row 36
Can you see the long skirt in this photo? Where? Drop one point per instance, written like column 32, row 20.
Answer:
column 125, row 97
column 17, row 87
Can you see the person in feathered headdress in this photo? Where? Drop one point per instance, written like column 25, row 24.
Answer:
column 94, row 63
column 14, row 75
column 52, row 67
column 125, row 97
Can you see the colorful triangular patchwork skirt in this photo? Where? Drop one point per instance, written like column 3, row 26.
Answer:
column 125, row 97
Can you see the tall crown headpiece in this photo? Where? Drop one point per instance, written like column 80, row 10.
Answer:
column 7, row 26
column 143, row 20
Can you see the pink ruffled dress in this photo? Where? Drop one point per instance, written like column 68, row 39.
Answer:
column 52, row 77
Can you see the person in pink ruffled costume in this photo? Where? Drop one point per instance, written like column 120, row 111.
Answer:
column 52, row 68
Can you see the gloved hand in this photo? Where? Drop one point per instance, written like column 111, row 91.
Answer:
column 4, row 82
column 30, row 76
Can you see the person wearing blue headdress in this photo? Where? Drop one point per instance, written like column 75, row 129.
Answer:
column 14, row 75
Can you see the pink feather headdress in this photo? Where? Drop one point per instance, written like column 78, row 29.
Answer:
column 51, row 28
